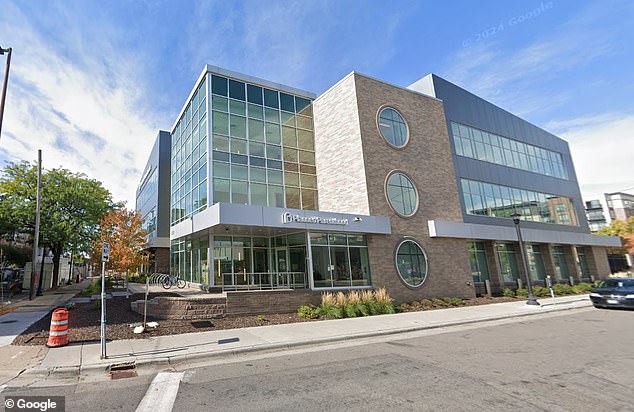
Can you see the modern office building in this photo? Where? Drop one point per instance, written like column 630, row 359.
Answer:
column 369, row 185
column 152, row 201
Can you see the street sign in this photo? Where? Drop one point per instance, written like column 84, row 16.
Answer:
column 105, row 252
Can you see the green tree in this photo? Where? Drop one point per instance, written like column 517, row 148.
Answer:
column 71, row 208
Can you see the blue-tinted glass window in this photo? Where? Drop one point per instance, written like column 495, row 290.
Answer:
column 236, row 90
column 219, row 85
column 254, row 94
column 287, row 102
column 301, row 104
column 270, row 98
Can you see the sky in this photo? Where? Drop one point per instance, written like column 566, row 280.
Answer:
column 91, row 83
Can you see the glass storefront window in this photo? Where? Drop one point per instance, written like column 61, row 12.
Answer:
column 478, row 261
column 339, row 260
column 508, row 262
column 411, row 263
column 560, row 262
column 535, row 262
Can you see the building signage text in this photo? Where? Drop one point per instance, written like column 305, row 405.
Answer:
column 291, row 218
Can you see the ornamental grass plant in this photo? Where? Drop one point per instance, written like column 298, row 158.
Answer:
column 352, row 304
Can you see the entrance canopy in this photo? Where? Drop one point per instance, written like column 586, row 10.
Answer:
column 221, row 218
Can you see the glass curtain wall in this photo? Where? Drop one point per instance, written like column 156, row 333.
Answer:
column 189, row 159
column 481, row 145
column 263, row 146
column 339, row 260
column 486, row 199
column 508, row 262
column 478, row 261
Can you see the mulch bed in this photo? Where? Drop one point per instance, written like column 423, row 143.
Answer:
column 431, row 304
column 84, row 320
column 84, row 323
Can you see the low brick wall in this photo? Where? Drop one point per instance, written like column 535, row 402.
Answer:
column 186, row 308
column 257, row 302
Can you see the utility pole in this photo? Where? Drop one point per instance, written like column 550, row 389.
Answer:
column 36, row 238
column 4, row 84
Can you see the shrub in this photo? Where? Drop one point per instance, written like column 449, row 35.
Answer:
column 582, row 288
column 349, row 310
column 540, row 291
column 438, row 303
column 454, row 301
column 137, row 279
column 508, row 293
column 521, row 292
column 330, row 311
column 362, row 309
column 384, row 301
column 95, row 288
column 308, row 312
column 562, row 289
column 426, row 303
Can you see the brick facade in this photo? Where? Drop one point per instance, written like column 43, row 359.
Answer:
column 260, row 302
column 426, row 159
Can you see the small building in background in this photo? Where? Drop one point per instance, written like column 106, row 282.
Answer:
column 595, row 215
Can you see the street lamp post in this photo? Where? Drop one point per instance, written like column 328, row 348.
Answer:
column 4, row 84
column 531, row 298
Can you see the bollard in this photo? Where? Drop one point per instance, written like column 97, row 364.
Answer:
column 58, row 335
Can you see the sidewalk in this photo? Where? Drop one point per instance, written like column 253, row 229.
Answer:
column 74, row 360
column 15, row 359
column 28, row 312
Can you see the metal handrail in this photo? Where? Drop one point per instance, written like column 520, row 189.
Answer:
column 265, row 280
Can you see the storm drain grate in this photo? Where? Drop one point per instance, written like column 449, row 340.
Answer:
column 202, row 324
column 122, row 371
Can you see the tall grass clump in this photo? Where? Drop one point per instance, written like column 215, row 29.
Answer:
column 329, row 308
column 354, row 303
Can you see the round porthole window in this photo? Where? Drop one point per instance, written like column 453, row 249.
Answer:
column 393, row 127
column 411, row 263
column 401, row 194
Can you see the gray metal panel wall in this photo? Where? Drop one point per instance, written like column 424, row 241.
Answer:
column 164, row 189
column 159, row 158
column 466, row 108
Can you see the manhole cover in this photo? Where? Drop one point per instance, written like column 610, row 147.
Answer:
column 8, row 321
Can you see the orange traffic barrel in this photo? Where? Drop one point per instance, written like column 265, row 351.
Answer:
column 58, row 335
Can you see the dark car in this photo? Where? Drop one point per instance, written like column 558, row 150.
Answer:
column 614, row 293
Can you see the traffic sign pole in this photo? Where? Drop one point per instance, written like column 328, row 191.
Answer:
column 105, row 257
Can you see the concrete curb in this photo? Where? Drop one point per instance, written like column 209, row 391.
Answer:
column 170, row 361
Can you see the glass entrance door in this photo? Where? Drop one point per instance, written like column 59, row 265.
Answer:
column 281, row 259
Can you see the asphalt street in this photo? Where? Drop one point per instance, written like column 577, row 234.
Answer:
column 574, row 361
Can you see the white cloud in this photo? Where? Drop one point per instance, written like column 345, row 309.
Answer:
column 602, row 148
column 83, row 109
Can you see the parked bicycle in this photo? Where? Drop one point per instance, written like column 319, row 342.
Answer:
column 173, row 280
